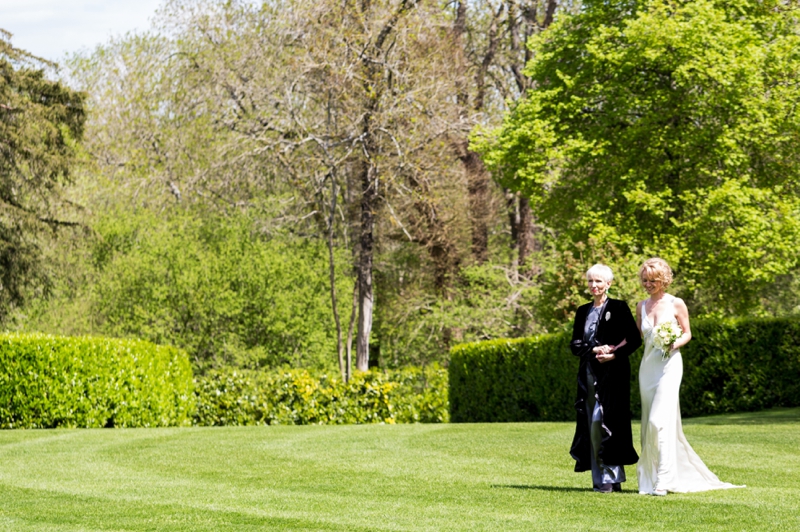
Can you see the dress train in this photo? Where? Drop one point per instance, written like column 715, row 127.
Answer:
column 667, row 461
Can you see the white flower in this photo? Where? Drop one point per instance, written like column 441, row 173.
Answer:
column 665, row 335
column 608, row 315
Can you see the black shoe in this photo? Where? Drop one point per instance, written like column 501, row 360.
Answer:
column 616, row 486
column 604, row 488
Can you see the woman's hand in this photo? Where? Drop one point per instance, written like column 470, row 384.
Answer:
column 605, row 358
column 604, row 353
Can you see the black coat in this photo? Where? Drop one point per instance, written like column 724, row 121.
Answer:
column 613, row 385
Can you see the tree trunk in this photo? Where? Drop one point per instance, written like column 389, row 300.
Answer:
column 512, row 208
column 353, row 315
column 549, row 13
column 523, row 235
column 372, row 63
column 524, row 231
column 332, row 274
column 369, row 198
column 478, row 182
column 478, row 179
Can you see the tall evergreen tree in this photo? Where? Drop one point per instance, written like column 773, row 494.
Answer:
column 41, row 123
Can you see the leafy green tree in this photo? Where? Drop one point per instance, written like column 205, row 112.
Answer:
column 41, row 123
column 341, row 107
column 666, row 128
column 228, row 106
column 219, row 287
column 486, row 301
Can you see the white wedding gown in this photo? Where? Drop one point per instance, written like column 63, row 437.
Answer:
column 667, row 461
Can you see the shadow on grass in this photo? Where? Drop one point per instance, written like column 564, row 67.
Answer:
column 773, row 416
column 562, row 489
column 541, row 488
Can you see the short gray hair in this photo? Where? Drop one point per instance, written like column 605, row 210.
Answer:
column 601, row 270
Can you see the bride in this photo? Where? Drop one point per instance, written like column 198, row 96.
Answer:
column 667, row 462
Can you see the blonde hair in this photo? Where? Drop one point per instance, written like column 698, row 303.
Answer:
column 657, row 269
column 601, row 270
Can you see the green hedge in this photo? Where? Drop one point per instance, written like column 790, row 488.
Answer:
column 50, row 381
column 729, row 366
column 526, row 379
column 742, row 365
column 300, row 397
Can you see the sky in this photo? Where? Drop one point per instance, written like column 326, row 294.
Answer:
column 53, row 28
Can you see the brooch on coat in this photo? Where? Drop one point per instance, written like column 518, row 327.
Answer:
column 608, row 315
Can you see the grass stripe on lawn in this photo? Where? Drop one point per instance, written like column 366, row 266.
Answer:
column 381, row 477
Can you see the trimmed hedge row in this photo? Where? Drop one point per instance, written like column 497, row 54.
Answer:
column 525, row 379
column 49, row 381
column 298, row 397
column 729, row 366
column 740, row 366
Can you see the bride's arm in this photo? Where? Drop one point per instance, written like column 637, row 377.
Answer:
column 682, row 315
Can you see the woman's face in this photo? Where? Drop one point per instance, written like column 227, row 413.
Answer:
column 597, row 285
column 651, row 284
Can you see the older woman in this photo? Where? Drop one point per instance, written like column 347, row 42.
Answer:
column 668, row 462
column 604, row 334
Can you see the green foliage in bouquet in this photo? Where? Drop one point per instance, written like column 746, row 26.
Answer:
column 300, row 397
column 50, row 381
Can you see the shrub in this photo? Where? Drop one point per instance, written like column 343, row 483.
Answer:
column 729, row 366
column 224, row 289
column 741, row 365
column 415, row 326
column 525, row 379
column 218, row 288
column 50, row 381
column 299, row 397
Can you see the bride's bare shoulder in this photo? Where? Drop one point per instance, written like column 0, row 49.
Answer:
column 679, row 303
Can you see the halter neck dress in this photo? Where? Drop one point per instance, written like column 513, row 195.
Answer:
column 667, row 461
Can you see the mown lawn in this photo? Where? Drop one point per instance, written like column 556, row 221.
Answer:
column 501, row 477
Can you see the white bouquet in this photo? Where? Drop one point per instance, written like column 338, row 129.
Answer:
column 664, row 335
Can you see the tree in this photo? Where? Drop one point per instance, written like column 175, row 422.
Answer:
column 490, row 39
column 486, row 37
column 347, row 101
column 338, row 111
column 231, row 106
column 41, row 123
column 666, row 128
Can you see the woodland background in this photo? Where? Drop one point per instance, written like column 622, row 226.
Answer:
column 340, row 184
